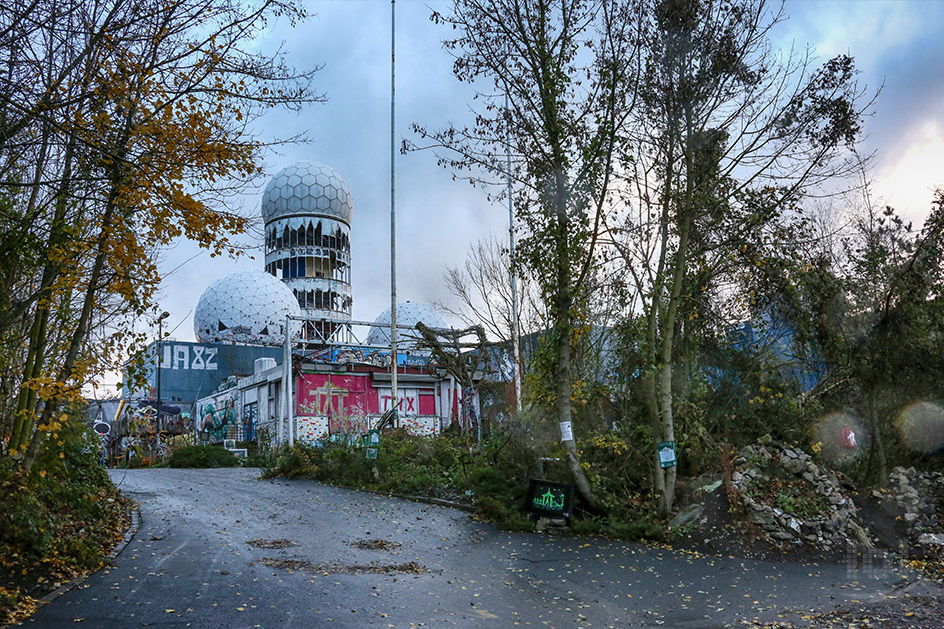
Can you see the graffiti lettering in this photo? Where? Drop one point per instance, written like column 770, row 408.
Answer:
column 181, row 356
column 211, row 358
column 178, row 357
column 198, row 362
column 406, row 402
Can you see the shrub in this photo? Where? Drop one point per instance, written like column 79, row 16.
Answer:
column 494, row 473
column 202, row 457
column 502, row 515
column 442, row 466
column 58, row 520
column 641, row 526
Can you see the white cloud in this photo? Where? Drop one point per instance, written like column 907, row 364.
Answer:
column 868, row 30
column 907, row 182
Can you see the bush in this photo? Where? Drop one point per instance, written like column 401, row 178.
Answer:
column 503, row 516
column 202, row 457
column 60, row 519
column 446, row 466
column 641, row 526
column 494, row 473
column 616, row 464
column 334, row 462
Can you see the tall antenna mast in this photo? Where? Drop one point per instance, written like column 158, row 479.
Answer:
column 393, row 206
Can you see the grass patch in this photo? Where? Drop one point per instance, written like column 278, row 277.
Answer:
column 791, row 495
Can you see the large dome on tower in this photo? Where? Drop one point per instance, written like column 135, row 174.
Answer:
column 408, row 314
column 307, row 188
column 246, row 307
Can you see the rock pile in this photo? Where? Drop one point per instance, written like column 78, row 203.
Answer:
column 917, row 495
column 792, row 500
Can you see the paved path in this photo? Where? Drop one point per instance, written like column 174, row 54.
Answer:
column 355, row 559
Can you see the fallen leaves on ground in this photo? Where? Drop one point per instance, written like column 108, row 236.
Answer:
column 410, row 567
column 272, row 543
column 375, row 544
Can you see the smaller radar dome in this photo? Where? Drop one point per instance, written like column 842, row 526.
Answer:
column 246, row 307
column 307, row 188
column 408, row 314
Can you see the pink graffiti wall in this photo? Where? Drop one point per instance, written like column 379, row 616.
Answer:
column 346, row 400
column 350, row 401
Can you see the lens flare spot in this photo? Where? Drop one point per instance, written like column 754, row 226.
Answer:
column 839, row 437
column 921, row 426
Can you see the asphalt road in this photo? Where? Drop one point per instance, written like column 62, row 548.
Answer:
column 221, row 548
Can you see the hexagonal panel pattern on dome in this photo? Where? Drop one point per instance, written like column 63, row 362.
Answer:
column 244, row 307
column 307, row 188
column 408, row 314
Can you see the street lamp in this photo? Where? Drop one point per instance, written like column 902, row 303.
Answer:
column 160, row 330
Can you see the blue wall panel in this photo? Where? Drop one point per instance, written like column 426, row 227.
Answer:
column 191, row 370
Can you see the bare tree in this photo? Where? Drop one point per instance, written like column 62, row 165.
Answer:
column 482, row 287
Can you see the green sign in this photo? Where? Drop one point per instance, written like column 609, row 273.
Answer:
column 370, row 439
column 352, row 439
column 371, row 453
column 666, row 451
column 550, row 498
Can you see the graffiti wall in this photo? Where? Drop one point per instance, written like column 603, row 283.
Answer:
column 218, row 418
column 366, row 355
column 332, row 404
column 345, row 400
column 426, row 426
column 191, row 370
column 311, row 429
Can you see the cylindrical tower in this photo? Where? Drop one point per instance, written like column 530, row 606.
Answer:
column 307, row 209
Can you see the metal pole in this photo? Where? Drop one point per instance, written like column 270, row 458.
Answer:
column 160, row 359
column 157, row 416
column 393, row 205
column 290, row 409
column 286, row 376
column 511, row 269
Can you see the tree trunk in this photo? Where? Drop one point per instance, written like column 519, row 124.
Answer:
column 35, row 356
column 878, row 470
column 667, row 499
column 669, row 324
column 31, row 452
column 564, row 329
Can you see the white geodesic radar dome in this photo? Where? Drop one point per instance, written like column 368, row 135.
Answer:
column 408, row 314
column 246, row 307
column 307, row 188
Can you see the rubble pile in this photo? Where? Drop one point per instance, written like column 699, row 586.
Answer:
column 917, row 495
column 793, row 501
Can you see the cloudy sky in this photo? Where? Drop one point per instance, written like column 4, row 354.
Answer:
column 895, row 42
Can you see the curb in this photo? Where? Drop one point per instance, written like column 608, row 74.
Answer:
column 120, row 546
